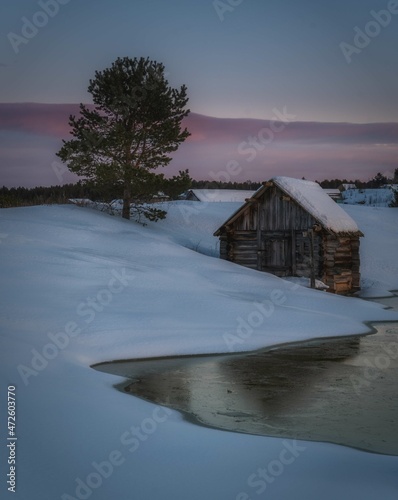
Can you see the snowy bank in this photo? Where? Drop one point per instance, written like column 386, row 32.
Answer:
column 80, row 287
column 192, row 225
column 126, row 291
column 378, row 250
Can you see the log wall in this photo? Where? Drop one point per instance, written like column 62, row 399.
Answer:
column 273, row 235
column 341, row 264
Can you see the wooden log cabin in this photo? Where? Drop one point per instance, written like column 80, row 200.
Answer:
column 291, row 227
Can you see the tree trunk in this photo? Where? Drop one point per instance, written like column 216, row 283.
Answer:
column 126, row 201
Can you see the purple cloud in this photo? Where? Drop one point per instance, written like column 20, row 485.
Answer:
column 218, row 148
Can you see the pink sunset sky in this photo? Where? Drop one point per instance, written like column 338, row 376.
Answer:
column 218, row 148
column 290, row 88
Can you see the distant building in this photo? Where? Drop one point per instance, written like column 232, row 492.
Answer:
column 346, row 187
column 159, row 196
column 335, row 194
column 291, row 227
column 214, row 195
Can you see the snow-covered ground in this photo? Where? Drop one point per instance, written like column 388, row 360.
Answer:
column 378, row 249
column 80, row 286
column 191, row 224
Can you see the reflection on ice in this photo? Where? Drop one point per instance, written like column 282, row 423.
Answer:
column 341, row 391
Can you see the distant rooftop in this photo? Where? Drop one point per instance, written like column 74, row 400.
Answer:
column 213, row 195
column 313, row 199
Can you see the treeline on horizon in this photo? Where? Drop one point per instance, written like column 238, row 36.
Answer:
column 41, row 195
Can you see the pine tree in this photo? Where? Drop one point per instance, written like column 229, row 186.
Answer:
column 135, row 124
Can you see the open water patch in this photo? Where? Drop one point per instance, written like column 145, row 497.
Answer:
column 339, row 390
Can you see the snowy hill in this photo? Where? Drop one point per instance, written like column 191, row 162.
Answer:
column 173, row 300
column 80, row 287
column 378, row 249
column 192, row 224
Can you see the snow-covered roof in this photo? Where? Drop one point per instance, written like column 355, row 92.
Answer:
column 79, row 200
column 312, row 198
column 335, row 194
column 210, row 195
column 330, row 191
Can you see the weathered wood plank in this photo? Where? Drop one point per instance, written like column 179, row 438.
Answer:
column 273, row 235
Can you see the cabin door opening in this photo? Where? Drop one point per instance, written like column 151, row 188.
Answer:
column 276, row 254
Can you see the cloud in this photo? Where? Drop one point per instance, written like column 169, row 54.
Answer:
column 52, row 120
column 258, row 149
column 41, row 119
column 205, row 128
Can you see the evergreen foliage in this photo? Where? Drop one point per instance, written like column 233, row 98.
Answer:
column 135, row 124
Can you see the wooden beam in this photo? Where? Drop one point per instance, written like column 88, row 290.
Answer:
column 293, row 249
column 312, row 256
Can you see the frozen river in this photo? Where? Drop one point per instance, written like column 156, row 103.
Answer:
column 341, row 391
